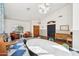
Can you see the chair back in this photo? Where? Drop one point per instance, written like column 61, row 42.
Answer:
column 1, row 38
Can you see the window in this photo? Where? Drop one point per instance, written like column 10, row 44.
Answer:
column 1, row 17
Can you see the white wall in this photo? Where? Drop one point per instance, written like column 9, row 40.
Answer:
column 10, row 25
column 66, row 18
column 76, row 26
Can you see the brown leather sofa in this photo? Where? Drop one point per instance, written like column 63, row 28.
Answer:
column 14, row 36
column 27, row 34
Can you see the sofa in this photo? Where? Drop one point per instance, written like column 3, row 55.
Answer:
column 14, row 36
column 27, row 34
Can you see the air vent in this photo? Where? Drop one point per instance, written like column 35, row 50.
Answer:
column 60, row 16
column 27, row 9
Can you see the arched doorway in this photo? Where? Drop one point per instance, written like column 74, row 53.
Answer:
column 51, row 29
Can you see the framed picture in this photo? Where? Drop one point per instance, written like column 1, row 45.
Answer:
column 64, row 27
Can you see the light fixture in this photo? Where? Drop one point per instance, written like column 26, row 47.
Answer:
column 44, row 7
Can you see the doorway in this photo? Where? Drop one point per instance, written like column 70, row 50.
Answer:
column 51, row 29
column 36, row 30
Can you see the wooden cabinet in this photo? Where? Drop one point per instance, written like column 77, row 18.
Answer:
column 62, row 36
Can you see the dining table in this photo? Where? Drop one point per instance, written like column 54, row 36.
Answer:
column 40, row 47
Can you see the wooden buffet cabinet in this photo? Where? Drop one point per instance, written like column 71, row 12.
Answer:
column 64, row 37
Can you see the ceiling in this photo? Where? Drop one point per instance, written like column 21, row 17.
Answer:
column 29, row 11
